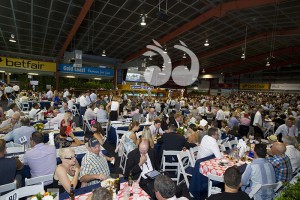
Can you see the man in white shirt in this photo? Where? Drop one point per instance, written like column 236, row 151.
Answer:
column 58, row 117
column 93, row 97
column 49, row 95
column 70, row 102
column 287, row 129
column 258, row 123
column 13, row 108
column 66, row 93
column 88, row 98
column 101, row 114
column 83, row 105
column 34, row 110
column 220, row 116
column 155, row 128
column 291, row 151
column 209, row 145
column 8, row 90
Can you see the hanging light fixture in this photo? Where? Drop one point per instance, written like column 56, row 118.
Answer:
column 103, row 53
column 12, row 38
column 143, row 22
column 165, row 50
column 245, row 45
column 203, row 71
column 268, row 64
column 184, row 55
column 206, row 43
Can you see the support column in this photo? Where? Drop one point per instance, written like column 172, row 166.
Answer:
column 8, row 78
column 115, row 78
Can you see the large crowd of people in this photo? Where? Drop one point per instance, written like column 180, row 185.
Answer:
column 177, row 124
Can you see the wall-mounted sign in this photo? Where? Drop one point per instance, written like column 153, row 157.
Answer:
column 254, row 86
column 68, row 68
column 285, row 86
column 26, row 64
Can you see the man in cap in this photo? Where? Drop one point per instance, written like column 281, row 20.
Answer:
column 94, row 167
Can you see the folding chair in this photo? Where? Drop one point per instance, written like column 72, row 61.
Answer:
column 25, row 107
column 194, row 152
column 124, row 155
column 272, row 187
column 8, row 187
column 39, row 180
column 119, row 134
column 86, row 125
column 213, row 190
column 185, row 167
column 174, row 164
column 30, row 190
column 75, row 111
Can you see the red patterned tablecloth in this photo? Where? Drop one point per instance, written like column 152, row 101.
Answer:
column 136, row 193
column 213, row 166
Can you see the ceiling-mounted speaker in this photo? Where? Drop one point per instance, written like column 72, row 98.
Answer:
column 161, row 15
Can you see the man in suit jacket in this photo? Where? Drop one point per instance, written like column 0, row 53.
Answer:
column 172, row 141
column 176, row 120
column 141, row 161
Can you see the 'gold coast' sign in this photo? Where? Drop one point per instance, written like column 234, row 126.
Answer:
column 35, row 65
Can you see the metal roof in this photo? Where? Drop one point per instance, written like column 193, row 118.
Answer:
column 45, row 29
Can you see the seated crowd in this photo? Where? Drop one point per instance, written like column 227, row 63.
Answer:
column 168, row 125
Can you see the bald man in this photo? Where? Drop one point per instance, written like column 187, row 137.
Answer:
column 141, row 161
column 281, row 162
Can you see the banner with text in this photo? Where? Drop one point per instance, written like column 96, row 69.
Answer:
column 26, row 64
column 254, row 86
column 68, row 68
column 285, row 86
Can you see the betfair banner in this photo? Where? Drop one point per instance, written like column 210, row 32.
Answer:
column 34, row 65
column 254, row 86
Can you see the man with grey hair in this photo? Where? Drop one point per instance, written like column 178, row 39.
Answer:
column 100, row 194
column 165, row 188
column 294, row 154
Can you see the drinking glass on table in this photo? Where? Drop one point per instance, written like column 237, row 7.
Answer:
column 73, row 126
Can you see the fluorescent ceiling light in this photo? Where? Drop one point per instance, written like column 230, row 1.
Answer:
column 1, row 71
column 206, row 43
column 70, row 76
column 97, row 78
column 34, row 74
column 103, row 53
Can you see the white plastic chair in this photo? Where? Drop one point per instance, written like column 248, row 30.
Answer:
column 124, row 155
column 8, row 187
column 38, row 180
column 75, row 111
column 185, row 162
column 173, row 164
column 25, row 106
column 194, row 152
column 119, row 134
column 30, row 190
column 213, row 190
column 259, row 187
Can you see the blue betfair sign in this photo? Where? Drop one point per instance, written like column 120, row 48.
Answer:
column 68, row 68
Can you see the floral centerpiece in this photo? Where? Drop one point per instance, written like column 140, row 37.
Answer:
column 181, row 130
column 39, row 127
column 44, row 196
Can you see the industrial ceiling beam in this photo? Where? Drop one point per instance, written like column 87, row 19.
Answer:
column 258, row 37
column 218, row 11
column 260, row 67
column 84, row 10
column 289, row 50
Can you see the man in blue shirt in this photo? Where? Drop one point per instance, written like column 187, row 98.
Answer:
column 260, row 171
column 25, row 130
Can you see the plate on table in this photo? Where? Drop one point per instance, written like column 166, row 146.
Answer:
column 108, row 182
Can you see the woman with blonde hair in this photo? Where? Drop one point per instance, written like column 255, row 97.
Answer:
column 147, row 135
column 67, row 172
column 131, row 141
